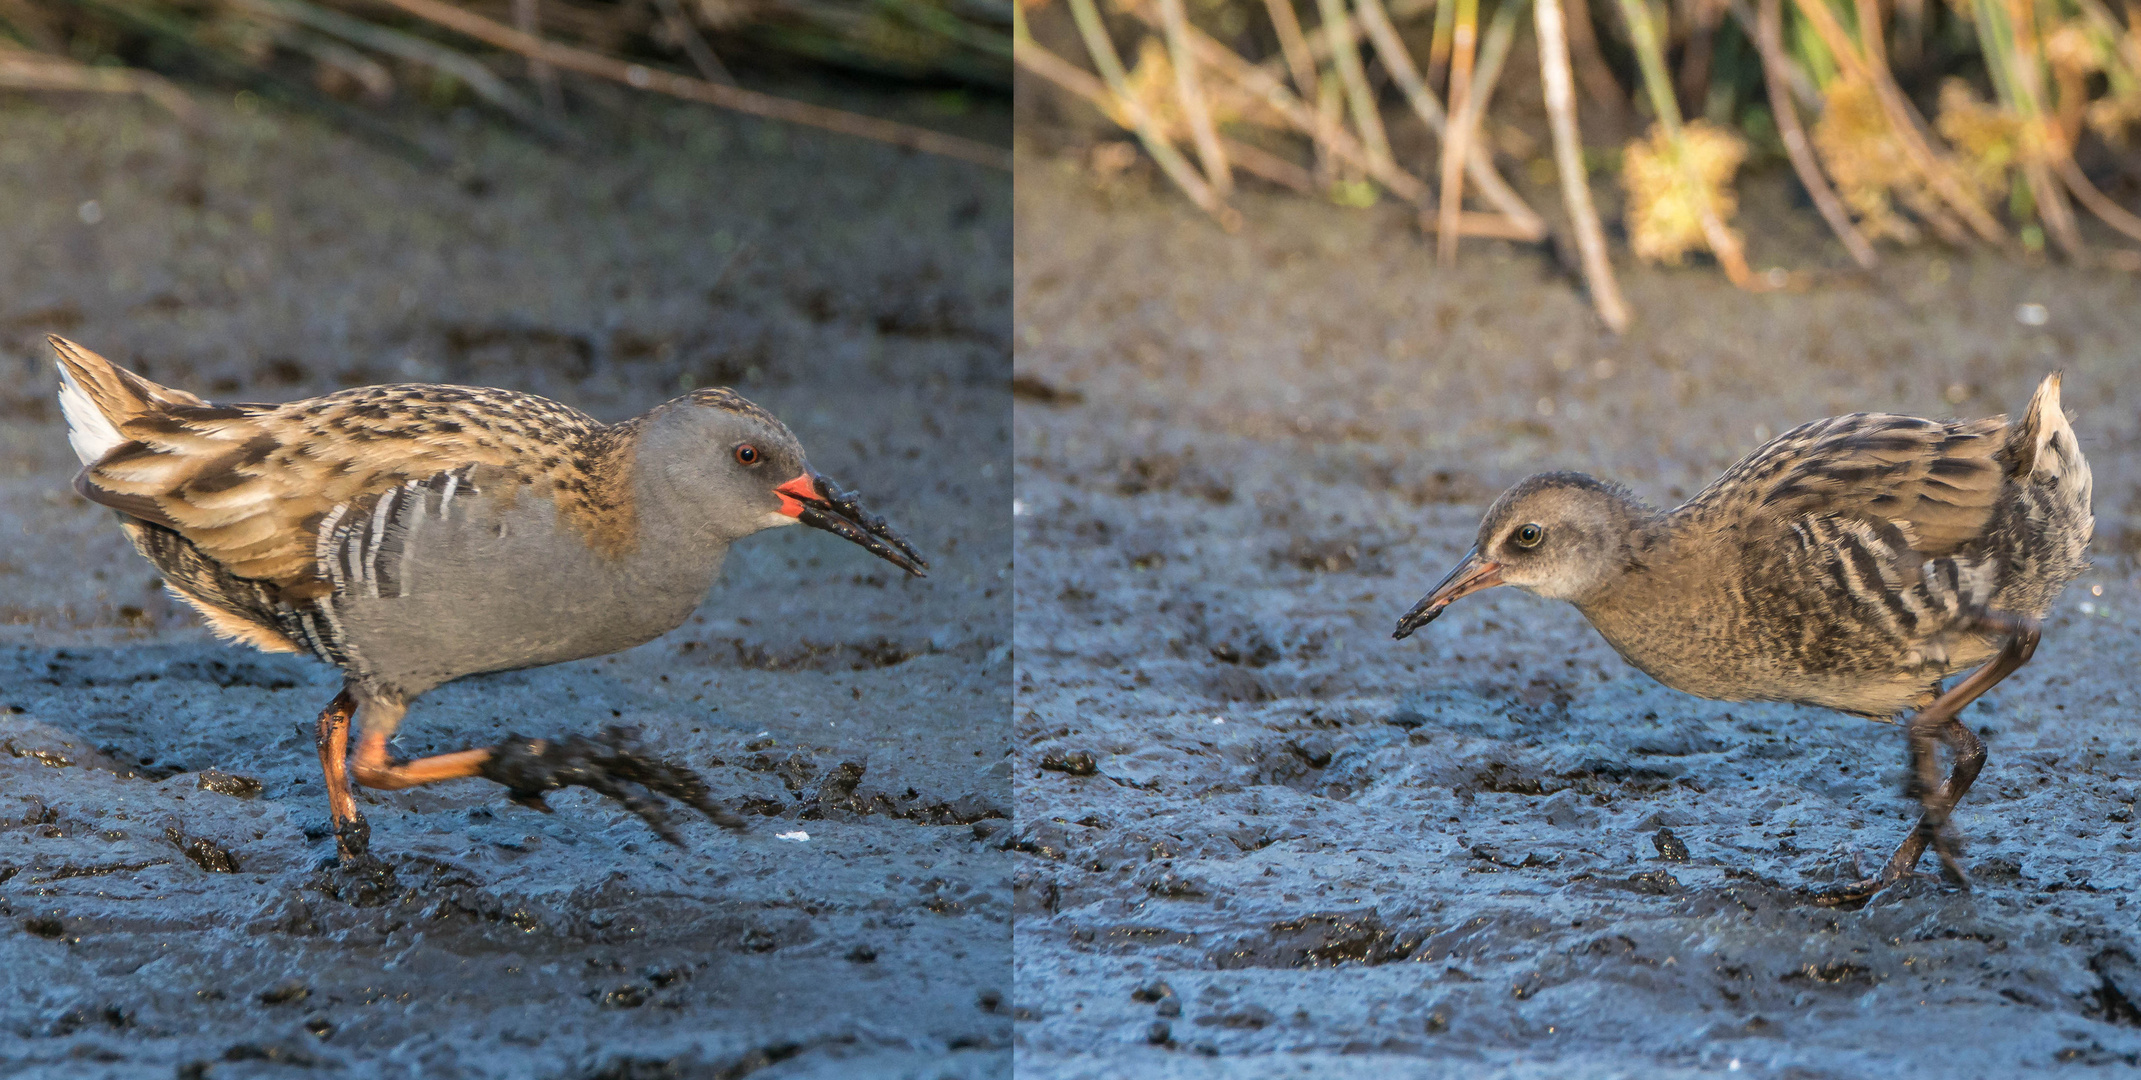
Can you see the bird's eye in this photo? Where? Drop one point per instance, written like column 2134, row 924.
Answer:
column 746, row 454
column 1528, row 536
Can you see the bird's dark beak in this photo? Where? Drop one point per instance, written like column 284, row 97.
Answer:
column 819, row 503
column 1472, row 575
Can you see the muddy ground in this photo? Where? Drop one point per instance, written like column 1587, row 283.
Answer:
column 166, row 908
column 1257, row 837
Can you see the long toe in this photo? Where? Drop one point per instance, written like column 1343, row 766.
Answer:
column 614, row 764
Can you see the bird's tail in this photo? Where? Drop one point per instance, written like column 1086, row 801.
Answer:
column 2043, row 447
column 99, row 397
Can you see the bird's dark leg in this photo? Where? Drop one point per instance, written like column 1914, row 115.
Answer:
column 613, row 764
column 352, row 835
column 1938, row 721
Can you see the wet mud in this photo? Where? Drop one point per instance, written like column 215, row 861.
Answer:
column 168, row 900
column 1257, row 837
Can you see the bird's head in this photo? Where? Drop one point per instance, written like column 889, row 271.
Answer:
column 747, row 472
column 1560, row 535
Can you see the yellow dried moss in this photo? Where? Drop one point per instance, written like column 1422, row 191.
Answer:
column 1152, row 82
column 1986, row 137
column 1865, row 159
column 1664, row 207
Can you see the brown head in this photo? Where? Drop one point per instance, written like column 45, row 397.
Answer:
column 1561, row 535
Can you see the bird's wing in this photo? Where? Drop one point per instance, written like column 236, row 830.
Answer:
column 249, row 485
column 1935, row 483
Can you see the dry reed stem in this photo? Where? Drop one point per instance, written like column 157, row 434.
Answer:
column 1478, row 166
column 1444, row 40
column 1904, row 120
column 1568, row 157
column 1255, row 80
column 1262, row 84
column 480, row 80
column 693, row 43
column 733, row 98
column 2100, row 204
column 1591, row 67
column 1698, row 55
column 1294, row 46
column 22, row 70
column 1463, row 45
column 1070, row 77
column 527, row 19
column 1176, row 25
column 1721, row 240
column 1102, row 50
column 2046, row 142
column 1870, row 36
column 1486, row 75
column 1769, row 41
column 1261, row 163
column 1345, row 57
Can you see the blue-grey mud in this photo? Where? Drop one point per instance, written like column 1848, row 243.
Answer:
column 1259, row 838
column 166, row 907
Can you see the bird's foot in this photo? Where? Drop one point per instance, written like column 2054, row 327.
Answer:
column 1948, row 848
column 353, row 840
column 1901, row 868
column 1864, row 889
column 613, row 763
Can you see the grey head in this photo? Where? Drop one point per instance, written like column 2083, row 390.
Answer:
column 725, row 468
column 1561, row 535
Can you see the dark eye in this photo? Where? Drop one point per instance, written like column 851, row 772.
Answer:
column 746, row 454
column 1528, row 536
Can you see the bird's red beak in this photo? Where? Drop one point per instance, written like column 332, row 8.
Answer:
column 819, row 503
column 1472, row 575
column 795, row 493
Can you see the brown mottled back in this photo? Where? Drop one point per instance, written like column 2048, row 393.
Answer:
column 1937, row 483
column 247, row 485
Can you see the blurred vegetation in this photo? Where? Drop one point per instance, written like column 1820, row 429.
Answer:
column 1968, row 122
column 351, row 59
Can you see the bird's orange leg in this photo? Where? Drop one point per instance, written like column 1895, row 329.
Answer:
column 352, row 834
column 612, row 764
column 1938, row 722
column 376, row 769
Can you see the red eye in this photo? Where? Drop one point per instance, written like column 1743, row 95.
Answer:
column 746, row 454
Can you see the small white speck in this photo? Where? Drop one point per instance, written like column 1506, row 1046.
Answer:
column 761, row 734
column 1733, row 1066
column 1018, row 508
column 2088, row 608
column 2032, row 314
column 1219, row 719
column 90, row 212
column 798, row 836
column 638, row 76
column 2096, row 590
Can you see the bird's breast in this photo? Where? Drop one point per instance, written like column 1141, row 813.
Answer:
column 442, row 579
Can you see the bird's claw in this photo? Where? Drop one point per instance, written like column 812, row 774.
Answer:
column 614, row 764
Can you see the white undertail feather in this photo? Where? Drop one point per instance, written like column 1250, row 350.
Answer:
column 89, row 431
column 98, row 397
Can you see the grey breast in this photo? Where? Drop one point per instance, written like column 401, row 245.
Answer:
column 464, row 573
